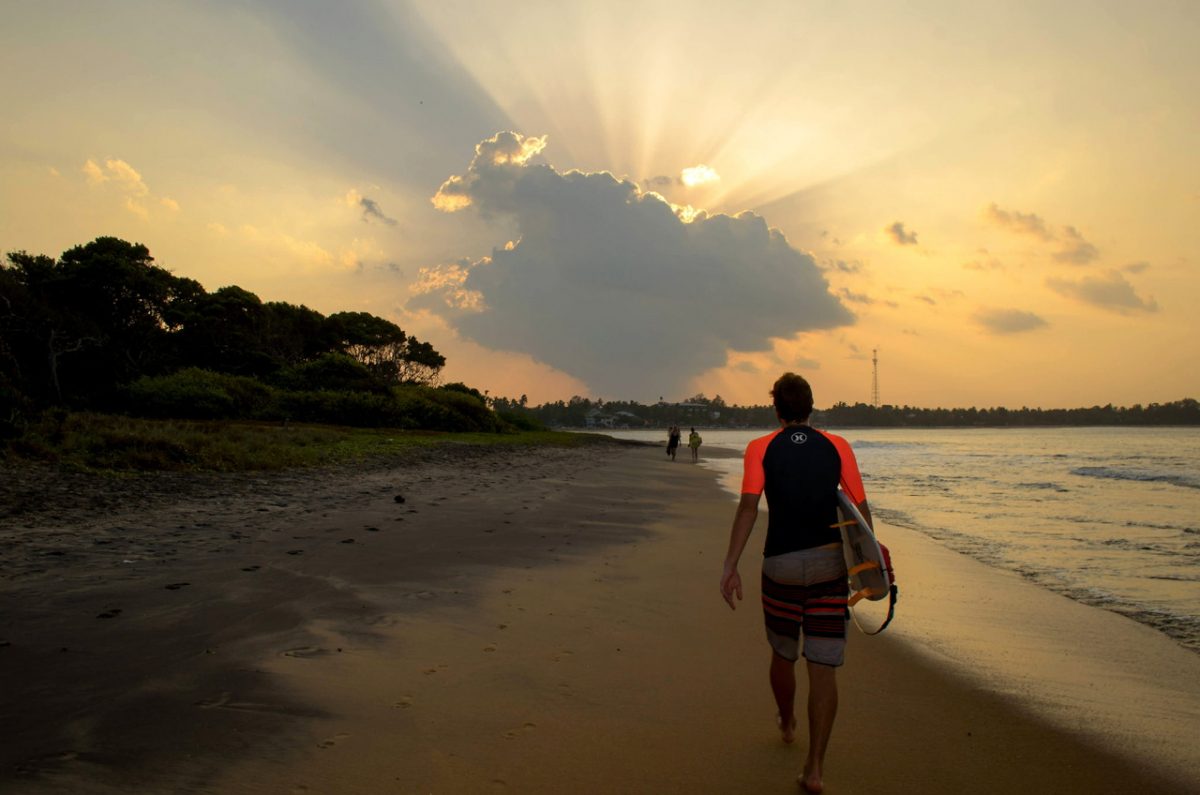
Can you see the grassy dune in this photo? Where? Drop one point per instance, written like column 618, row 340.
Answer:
column 100, row 442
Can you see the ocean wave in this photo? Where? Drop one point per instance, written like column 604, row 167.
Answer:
column 1138, row 475
column 874, row 444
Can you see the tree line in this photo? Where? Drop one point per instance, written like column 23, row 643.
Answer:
column 104, row 328
column 580, row 412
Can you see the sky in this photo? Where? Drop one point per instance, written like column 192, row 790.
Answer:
column 645, row 200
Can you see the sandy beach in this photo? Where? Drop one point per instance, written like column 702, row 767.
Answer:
column 527, row 621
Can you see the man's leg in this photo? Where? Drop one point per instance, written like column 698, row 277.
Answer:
column 822, row 709
column 783, row 685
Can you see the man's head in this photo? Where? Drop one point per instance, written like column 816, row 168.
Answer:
column 793, row 398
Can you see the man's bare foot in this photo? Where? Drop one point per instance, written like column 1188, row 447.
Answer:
column 788, row 731
column 810, row 781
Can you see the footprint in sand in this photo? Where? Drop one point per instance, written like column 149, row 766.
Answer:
column 329, row 742
column 251, row 568
column 403, row 703
column 175, row 586
column 490, row 647
column 372, row 529
column 304, row 652
column 295, row 551
column 525, row 728
column 213, row 703
column 112, row 612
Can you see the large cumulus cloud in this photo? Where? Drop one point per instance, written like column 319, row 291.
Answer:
column 615, row 285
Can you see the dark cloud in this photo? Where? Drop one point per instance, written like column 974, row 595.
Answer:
column 855, row 298
column 1008, row 321
column 609, row 284
column 843, row 266
column 1016, row 221
column 902, row 236
column 371, row 210
column 1137, row 267
column 1073, row 248
column 1111, row 291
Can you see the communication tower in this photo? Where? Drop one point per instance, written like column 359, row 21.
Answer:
column 875, row 377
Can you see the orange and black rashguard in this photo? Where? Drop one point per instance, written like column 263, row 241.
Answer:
column 799, row 469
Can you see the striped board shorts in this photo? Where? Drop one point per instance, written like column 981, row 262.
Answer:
column 805, row 592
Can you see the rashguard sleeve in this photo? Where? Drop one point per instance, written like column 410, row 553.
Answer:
column 753, row 477
column 851, row 478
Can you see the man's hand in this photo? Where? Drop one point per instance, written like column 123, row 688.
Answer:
column 731, row 583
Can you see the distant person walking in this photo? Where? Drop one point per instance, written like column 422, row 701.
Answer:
column 694, row 443
column 804, row 586
column 673, row 436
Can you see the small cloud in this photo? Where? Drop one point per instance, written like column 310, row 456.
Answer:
column 1137, row 267
column 661, row 181
column 1016, row 221
column 1112, row 291
column 927, row 300
column 698, row 175
column 856, row 298
column 218, row 230
column 126, row 179
column 126, row 176
column 54, row 172
column 93, row 172
column 984, row 262
column 843, row 266
column 902, row 236
column 170, row 204
column 1008, row 321
column 1073, row 249
column 133, row 206
column 371, row 210
column 1076, row 250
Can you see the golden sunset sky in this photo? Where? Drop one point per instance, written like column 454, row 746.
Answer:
column 628, row 200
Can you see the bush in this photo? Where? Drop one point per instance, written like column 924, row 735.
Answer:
column 195, row 394
column 521, row 421
column 330, row 372
column 359, row 409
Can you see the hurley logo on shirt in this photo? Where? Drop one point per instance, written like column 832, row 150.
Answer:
column 799, row 437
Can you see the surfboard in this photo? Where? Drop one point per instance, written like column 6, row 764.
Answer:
column 866, row 565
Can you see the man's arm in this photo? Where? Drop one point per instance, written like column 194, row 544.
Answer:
column 739, row 534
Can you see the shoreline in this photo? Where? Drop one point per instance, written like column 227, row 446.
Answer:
column 579, row 644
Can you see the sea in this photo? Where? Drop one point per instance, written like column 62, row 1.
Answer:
column 1107, row 516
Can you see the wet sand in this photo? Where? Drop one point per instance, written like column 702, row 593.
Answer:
column 538, row 621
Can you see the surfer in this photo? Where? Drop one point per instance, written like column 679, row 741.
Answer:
column 804, row 586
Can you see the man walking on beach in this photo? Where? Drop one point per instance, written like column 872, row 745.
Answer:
column 804, row 586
